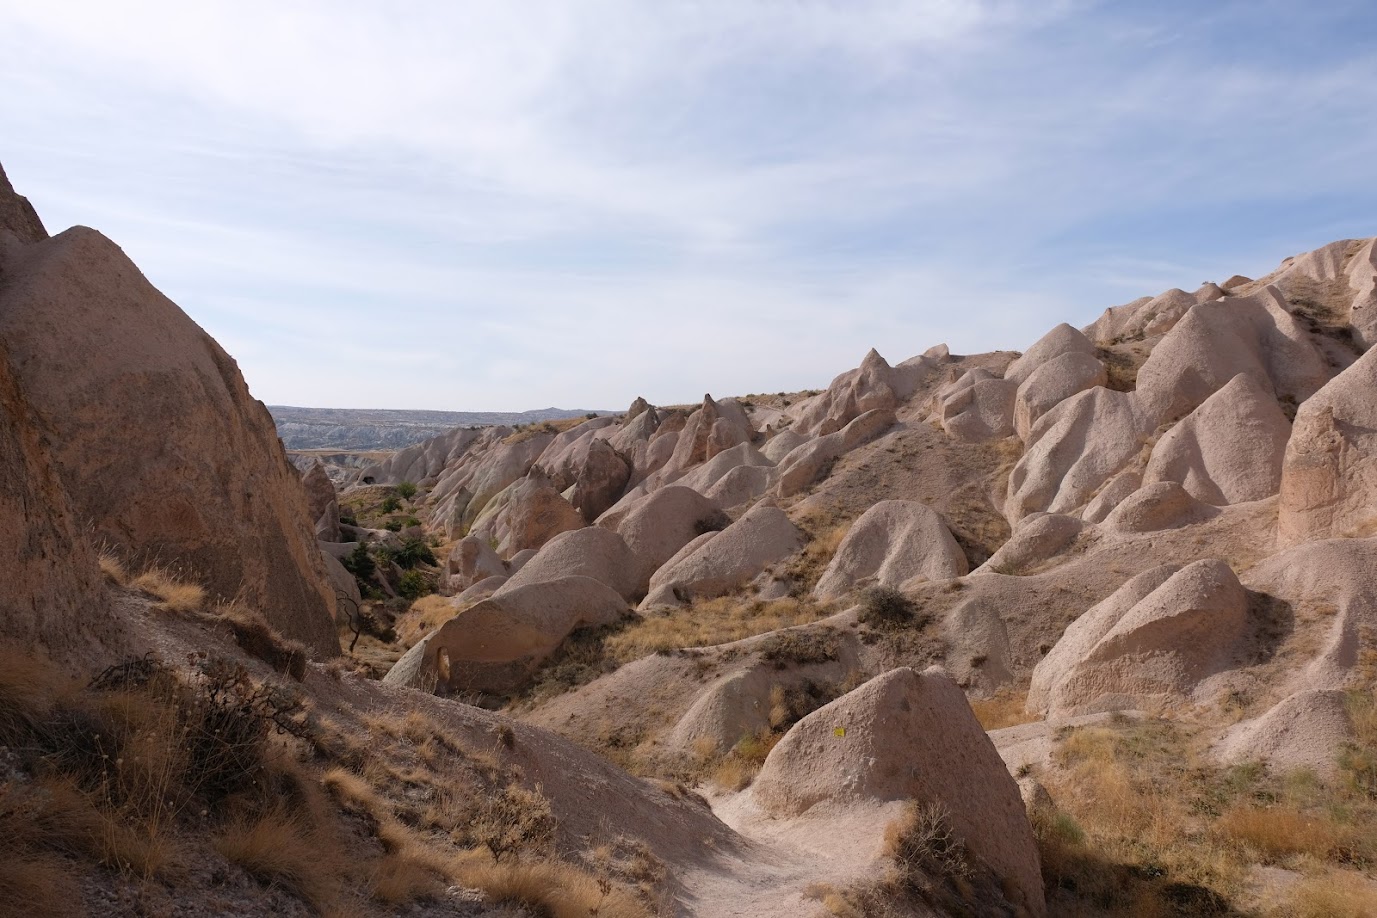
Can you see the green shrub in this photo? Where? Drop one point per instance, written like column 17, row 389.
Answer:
column 407, row 490
column 411, row 553
column 390, row 504
column 413, row 585
column 360, row 563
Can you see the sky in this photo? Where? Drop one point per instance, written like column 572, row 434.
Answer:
column 529, row 203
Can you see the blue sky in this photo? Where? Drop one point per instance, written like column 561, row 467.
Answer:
column 511, row 205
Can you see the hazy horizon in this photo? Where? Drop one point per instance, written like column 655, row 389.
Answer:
column 489, row 207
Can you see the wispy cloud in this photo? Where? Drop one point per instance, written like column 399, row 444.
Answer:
column 500, row 205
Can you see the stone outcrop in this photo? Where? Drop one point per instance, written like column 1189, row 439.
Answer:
column 807, row 463
column 1150, row 642
column 876, row 743
column 658, row 526
column 892, row 542
column 494, row 646
column 1227, row 451
column 593, row 552
column 322, row 502
column 527, row 514
column 1329, row 472
column 165, row 455
column 726, row 560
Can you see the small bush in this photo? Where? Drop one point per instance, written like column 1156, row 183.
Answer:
column 360, row 563
column 413, row 585
column 410, row 553
column 390, row 504
column 882, row 607
column 406, row 490
column 173, row 593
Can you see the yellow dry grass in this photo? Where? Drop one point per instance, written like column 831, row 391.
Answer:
column 1005, row 708
column 710, row 622
column 173, row 593
column 424, row 616
column 113, row 568
column 282, row 848
column 1332, row 894
column 549, row 888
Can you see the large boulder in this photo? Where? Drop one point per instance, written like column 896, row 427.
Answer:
column 1058, row 342
column 1153, row 507
column 53, row 597
column 659, row 525
column 1329, row 472
column 473, row 559
column 1073, row 450
column 1216, row 341
column 165, row 455
column 493, row 647
column 906, row 736
column 714, row 427
column 17, row 216
column 593, row 552
column 977, row 407
column 1038, row 538
column 1192, row 624
column 1306, row 730
column 600, row 480
column 1227, row 451
column 892, row 542
column 726, row 560
column 529, row 513
column 809, row 462
column 322, row 502
column 871, row 386
column 1053, row 383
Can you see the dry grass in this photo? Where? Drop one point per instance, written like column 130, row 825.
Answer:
column 259, row 639
column 1335, row 894
column 113, row 568
column 1147, row 824
column 550, row 888
column 286, row 850
column 1005, row 708
column 710, row 622
column 172, row 592
column 424, row 616
column 1277, row 832
column 535, row 429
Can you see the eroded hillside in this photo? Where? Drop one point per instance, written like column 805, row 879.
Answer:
column 1083, row 630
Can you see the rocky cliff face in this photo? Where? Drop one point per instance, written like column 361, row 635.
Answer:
column 151, row 430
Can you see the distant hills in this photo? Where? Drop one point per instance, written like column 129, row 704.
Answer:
column 369, row 428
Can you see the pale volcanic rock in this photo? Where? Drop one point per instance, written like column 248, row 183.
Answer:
column 661, row 524
column 473, row 559
column 1053, row 383
column 1073, row 450
column 1306, row 730
column 527, row 514
column 713, row 428
column 874, row 385
column 427, row 459
column 1111, row 494
column 782, row 443
column 978, row 646
column 1191, row 626
column 1058, row 342
column 1214, row 342
column 593, row 552
column 727, row 560
column 1329, row 473
column 1038, row 538
column 568, row 452
column 805, row 464
column 876, row 743
column 1227, row 451
column 1157, row 506
column 892, row 542
column 495, row 645
column 600, row 481
column 164, row 453
column 978, row 406
column 480, row 590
